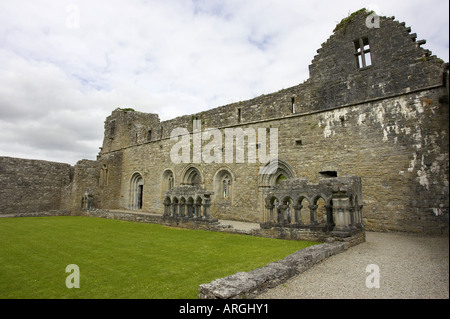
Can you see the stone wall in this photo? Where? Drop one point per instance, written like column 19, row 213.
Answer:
column 398, row 146
column 28, row 186
column 246, row 285
column 386, row 122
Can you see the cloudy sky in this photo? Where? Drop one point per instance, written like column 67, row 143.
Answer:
column 66, row 65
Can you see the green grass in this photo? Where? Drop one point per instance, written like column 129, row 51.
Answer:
column 119, row 259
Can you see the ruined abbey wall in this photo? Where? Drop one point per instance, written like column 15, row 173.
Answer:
column 398, row 146
column 375, row 106
column 28, row 186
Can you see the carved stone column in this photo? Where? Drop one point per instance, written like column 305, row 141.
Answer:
column 352, row 222
column 298, row 214
column 206, row 206
column 189, row 207
column 167, row 207
column 270, row 208
column 174, row 210
column 359, row 222
column 181, row 209
column 342, row 214
column 283, row 210
column 313, row 214
column 330, row 222
column 197, row 210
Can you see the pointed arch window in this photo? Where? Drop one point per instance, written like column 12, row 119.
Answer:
column 171, row 181
column 226, row 186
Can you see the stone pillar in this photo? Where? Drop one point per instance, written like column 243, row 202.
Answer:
column 352, row 221
column 181, row 208
column 197, row 209
column 330, row 222
column 288, row 214
column 342, row 214
column 174, row 210
column 283, row 215
column 206, row 205
column 189, row 207
column 359, row 222
column 270, row 208
column 167, row 207
column 313, row 214
column 298, row 214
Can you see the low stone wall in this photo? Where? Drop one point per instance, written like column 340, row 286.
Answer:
column 39, row 214
column 291, row 233
column 250, row 284
column 123, row 215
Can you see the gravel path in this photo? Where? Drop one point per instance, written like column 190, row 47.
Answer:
column 410, row 266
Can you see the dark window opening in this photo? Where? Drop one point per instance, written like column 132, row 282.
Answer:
column 239, row 115
column 149, row 135
column 280, row 178
column 328, row 174
column 298, row 142
column 139, row 196
column 362, row 54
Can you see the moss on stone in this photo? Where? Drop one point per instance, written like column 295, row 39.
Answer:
column 346, row 21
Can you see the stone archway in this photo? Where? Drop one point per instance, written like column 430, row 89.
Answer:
column 274, row 172
column 192, row 176
column 136, row 192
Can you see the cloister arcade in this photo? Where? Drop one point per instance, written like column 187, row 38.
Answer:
column 332, row 204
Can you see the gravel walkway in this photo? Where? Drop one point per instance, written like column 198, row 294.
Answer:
column 410, row 266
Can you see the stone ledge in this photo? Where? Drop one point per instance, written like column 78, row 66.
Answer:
column 250, row 284
column 38, row 214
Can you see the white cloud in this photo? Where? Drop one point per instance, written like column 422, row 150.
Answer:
column 59, row 80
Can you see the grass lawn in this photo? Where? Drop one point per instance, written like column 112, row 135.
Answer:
column 119, row 259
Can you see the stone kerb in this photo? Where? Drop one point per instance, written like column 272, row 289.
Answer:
column 250, row 284
column 38, row 214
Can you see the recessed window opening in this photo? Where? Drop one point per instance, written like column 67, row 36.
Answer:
column 328, row 174
column 298, row 142
column 149, row 135
column 280, row 178
column 226, row 185
column 239, row 115
column 362, row 54
column 293, row 104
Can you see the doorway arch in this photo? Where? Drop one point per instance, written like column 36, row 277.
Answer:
column 136, row 191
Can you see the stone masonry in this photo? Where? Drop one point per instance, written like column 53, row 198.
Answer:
column 375, row 107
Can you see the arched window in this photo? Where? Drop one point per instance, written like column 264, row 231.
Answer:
column 167, row 180
column 171, row 181
column 226, row 186
column 223, row 184
column 274, row 172
column 191, row 176
column 103, row 176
